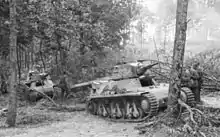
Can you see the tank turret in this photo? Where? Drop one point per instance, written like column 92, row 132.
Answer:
column 130, row 70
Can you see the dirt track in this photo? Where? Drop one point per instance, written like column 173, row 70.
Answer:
column 81, row 125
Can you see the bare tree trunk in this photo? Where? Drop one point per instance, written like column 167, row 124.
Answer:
column 165, row 38
column 32, row 56
column 28, row 59
column 178, row 56
column 18, row 61
column 41, row 55
column 12, row 103
column 20, row 58
column 62, row 62
column 25, row 58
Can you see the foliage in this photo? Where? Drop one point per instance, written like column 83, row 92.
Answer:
column 58, row 34
column 209, row 61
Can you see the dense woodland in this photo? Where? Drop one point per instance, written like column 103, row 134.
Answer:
column 87, row 37
column 54, row 35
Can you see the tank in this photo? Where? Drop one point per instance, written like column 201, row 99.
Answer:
column 130, row 94
column 38, row 84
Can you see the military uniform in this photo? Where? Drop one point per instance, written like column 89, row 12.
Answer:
column 194, row 84
column 192, row 78
column 186, row 78
column 63, row 85
column 200, row 80
column 196, row 81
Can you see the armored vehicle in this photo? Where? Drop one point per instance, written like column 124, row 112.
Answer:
column 37, row 84
column 130, row 94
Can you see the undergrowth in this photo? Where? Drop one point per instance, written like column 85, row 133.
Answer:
column 41, row 112
column 183, row 127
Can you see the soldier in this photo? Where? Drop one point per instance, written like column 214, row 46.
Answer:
column 147, row 80
column 30, row 76
column 200, row 80
column 196, row 80
column 186, row 77
column 63, row 85
column 47, row 81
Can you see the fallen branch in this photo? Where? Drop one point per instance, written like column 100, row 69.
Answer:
column 212, row 78
column 49, row 98
column 183, row 104
column 202, row 134
column 67, row 109
column 152, row 123
column 144, row 125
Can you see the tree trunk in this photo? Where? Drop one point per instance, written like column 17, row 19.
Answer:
column 25, row 58
column 41, row 55
column 178, row 56
column 62, row 61
column 28, row 59
column 56, row 59
column 12, row 103
column 22, row 60
column 18, row 61
column 32, row 56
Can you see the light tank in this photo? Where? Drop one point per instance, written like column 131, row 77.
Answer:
column 38, row 85
column 130, row 94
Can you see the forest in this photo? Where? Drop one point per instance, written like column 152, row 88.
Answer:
column 82, row 40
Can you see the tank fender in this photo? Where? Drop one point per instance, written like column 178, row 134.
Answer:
column 143, row 91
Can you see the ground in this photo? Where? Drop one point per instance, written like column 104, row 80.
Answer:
column 37, row 121
column 212, row 100
column 80, row 125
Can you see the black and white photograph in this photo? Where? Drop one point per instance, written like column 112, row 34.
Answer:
column 109, row 68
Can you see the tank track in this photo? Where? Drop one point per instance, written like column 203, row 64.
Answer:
column 153, row 101
column 154, row 108
column 190, row 96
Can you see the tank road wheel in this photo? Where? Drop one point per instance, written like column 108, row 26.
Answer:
column 91, row 107
column 140, row 112
column 101, row 109
column 149, row 104
column 108, row 109
column 183, row 97
column 128, row 110
column 122, row 108
column 187, row 96
column 135, row 112
column 119, row 113
column 116, row 109
column 112, row 109
column 139, row 109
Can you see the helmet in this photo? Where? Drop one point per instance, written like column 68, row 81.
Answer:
column 196, row 63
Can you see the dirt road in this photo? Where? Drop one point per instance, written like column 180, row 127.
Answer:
column 81, row 125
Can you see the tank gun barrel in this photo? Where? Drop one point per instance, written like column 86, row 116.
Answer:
column 80, row 85
column 142, row 70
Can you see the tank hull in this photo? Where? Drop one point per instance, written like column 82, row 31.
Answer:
column 136, row 106
column 38, row 93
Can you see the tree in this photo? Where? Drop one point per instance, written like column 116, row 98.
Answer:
column 178, row 56
column 12, row 104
